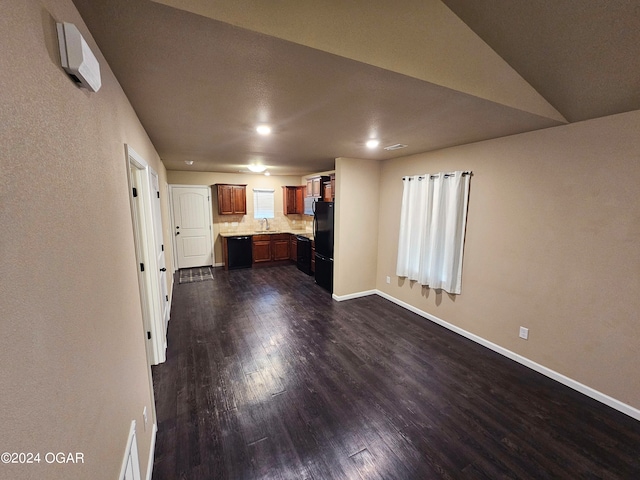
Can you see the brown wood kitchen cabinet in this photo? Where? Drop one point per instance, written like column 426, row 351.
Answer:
column 315, row 186
column 328, row 192
column 329, row 188
column 293, row 200
column 261, row 248
column 280, row 246
column 232, row 199
column 332, row 184
column 271, row 249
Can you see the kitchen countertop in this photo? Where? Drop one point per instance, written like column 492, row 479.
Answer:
column 303, row 233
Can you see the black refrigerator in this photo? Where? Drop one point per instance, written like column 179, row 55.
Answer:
column 323, row 235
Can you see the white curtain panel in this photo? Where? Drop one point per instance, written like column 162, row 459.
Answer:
column 432, row 228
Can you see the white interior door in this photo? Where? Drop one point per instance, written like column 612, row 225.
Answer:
column 144, row 203
column 159, row 244
column 192, row 225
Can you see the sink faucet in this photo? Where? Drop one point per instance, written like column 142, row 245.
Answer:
column 267, row 223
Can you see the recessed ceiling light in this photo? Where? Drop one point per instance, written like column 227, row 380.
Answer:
column 373, row 143
column 189, row 162
column 267, row 173
column 257, row 168
column 263, row 129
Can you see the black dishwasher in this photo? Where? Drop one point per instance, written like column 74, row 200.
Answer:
column 304, row 254
column 239, row 251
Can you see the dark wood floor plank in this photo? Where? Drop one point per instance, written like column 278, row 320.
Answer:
column 366, row 465
column 267, row 377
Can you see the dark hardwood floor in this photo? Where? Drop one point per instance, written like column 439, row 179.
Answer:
column 268, row 378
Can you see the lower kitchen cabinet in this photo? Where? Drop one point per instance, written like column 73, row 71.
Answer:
column 280, row 246
column 261, row 246
column 261, row 250
column 271, row 249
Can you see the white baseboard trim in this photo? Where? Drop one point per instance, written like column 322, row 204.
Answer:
column 342, row 298
column 569, row 382
column 152, row 451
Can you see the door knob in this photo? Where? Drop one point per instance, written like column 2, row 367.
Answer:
column 163, row 269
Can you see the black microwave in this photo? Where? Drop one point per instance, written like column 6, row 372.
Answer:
column 308, row 205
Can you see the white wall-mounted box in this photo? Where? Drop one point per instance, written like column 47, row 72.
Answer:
column 77, row 59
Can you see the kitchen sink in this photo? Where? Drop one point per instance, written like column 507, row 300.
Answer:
column 267, row 231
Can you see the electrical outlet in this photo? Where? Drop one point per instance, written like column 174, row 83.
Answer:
column 388, row 279
column 144, row 416
column 524, row 333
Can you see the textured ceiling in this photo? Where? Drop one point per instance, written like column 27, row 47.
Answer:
column 200, row 85
column 583, row 56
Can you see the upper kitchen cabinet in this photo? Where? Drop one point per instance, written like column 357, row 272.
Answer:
column 315, row 186
column 333, row 187
column 293, row 199
column 232, row 199
column 329, row 194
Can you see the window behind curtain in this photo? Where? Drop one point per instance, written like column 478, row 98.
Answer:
column 263, row 203
column 432, row 229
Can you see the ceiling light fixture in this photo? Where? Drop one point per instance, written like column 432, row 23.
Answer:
column 373, row 143
column 267, row 174
column 257, row 168
column 396, row 146
column 263, row 129
column 189, row 162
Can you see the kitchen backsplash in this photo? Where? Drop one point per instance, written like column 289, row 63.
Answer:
column 246, row 223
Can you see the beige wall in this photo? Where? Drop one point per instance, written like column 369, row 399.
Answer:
column 245, row 223
column 356, row 226
column 74, row 372
column 551, row 244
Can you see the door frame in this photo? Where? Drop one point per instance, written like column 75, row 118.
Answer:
column 174, row 244
column 139, row 176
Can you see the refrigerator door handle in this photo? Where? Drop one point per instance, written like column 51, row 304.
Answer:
column 315, row 226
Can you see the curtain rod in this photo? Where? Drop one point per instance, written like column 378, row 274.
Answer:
column 421, row 177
